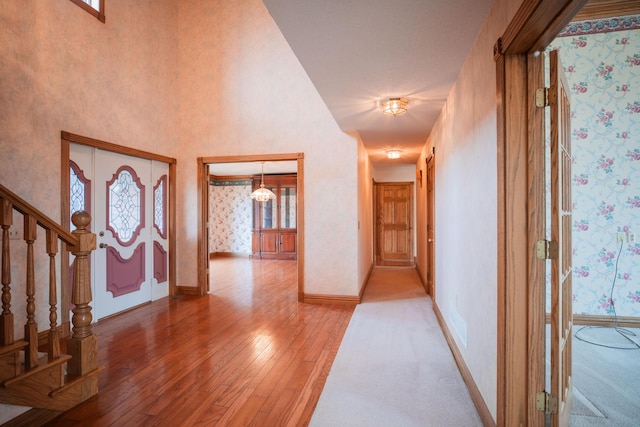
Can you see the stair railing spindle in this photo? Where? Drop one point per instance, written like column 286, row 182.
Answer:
column 54, row 339
column 6, row 318
column 31, row 327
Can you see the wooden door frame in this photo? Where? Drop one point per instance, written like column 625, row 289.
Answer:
column 521, row 206
column 376, row 240
column 203, row 212
column 430, row 205
column 68, row 138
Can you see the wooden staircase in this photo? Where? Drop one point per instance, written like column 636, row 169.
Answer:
column 34, row 372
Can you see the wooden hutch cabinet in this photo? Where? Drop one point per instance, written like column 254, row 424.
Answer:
column 274, row 222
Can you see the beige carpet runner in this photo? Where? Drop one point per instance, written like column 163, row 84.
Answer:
column 394, row 367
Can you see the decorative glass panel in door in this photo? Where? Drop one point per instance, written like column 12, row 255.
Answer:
column 288, row 206
column 269, row 212
column 128, row 204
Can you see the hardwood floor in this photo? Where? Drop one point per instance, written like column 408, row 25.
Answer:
column 246, row 354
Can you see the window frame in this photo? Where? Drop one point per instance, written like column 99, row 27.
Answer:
column 97, row 13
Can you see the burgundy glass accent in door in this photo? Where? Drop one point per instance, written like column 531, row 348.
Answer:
column 159, row 262
column 125, row 205
column 125, row 275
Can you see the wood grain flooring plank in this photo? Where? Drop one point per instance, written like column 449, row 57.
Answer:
column 248, row 353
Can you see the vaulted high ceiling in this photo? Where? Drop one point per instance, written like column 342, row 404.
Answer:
column 358, row 52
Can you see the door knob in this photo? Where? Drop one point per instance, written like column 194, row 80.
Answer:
column 102, row 245
column 430, row 240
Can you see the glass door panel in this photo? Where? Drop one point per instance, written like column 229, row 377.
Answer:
column 269, row 212
column 288, row 207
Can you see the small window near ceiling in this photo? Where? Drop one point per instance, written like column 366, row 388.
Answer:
column 94, row 7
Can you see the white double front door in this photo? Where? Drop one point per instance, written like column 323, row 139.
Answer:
column 127, row 198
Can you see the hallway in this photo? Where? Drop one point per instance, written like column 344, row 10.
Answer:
column 394, row 366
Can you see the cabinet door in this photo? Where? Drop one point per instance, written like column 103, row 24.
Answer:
column 288, row 244
column 269, row 243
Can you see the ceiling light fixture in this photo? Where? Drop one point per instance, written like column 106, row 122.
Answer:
column 393, row 154
column 262, row 194
column 395, row 106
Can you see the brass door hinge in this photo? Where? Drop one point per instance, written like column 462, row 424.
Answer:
column 542, row 97
column 547, row 403
column 547, row 249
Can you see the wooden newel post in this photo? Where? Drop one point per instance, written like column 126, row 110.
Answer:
column 83, row 345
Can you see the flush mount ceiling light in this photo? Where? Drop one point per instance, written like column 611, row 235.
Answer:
column 262, row 194
column 395, row 106
column 393, row 154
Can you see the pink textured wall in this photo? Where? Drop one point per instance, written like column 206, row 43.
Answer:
column 242, row 91
column 465, row 139
column 62, row 69
column 182, row 79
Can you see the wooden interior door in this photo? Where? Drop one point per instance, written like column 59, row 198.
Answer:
column 395, row 242
column 431, row 245
column 561, row 268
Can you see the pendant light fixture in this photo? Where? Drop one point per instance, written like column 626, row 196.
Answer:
column 262, row 194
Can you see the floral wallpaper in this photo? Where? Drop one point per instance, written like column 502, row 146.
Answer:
column 230, row 216
column 602, row 64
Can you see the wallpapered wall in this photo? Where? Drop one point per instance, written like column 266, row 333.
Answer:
column 602, row 62
column 230, row 216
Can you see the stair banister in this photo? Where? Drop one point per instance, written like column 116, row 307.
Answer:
column 82, row 345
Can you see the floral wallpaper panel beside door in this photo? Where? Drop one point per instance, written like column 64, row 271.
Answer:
column 230, row 216
column 601, row 59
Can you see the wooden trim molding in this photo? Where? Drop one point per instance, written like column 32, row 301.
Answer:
column 420, row 275
column 537, row 23
column 68, row 138
column 536, row 229
column 213, row 255
column 97, row 13
column 603, row 321
column 187, row 290
column 121, row 149
column 366, row 281
column 476, row 396
column 520, row 368
column 203, row 203
column 331, row 299
column 231, row 178
column 598, row 9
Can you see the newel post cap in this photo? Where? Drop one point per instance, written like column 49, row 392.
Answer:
column 86, row 239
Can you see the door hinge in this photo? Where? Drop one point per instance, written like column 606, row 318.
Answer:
column 546, row 402
column 542, row 97
column 547, row 249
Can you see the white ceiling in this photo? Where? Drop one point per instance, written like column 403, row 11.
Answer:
column 357, row 52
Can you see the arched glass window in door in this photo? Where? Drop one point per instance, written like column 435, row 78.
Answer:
column 160, row 206
column 79, row 190
column 125, row 205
